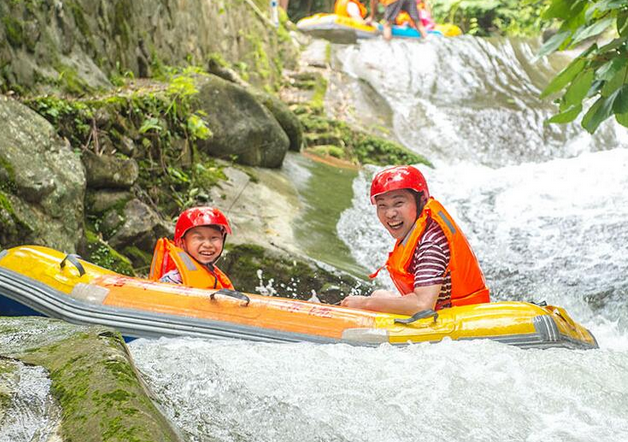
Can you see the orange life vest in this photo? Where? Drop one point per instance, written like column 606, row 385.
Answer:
column 340, row 8
column 467, row 281
column 167, row 257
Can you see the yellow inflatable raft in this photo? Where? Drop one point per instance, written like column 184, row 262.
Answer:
column 39, row 280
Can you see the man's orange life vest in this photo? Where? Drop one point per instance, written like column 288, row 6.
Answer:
column 340, row 8
column 467, row 281
column 167, row 257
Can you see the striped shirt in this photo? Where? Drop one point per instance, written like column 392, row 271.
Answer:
column 173, row 277
column 430, row 261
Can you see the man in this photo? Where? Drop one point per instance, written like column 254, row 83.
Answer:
column 392, row 9
column 432, row 264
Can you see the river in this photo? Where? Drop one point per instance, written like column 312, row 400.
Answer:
column 546, row 210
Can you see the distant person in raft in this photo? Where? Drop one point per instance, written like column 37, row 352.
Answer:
column 199, row 238
column 432, row 264
column 425, row 15
column 392, row 8
column 350, row 8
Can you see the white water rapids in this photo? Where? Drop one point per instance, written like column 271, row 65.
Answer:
column 546, row 209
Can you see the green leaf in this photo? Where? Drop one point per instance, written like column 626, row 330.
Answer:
column 614, row 44
column 594, row 29
column 622, row 119
column 600, row 111
column 609, row 70
column 620, row 105
column 558, row 9
column 616, row 82
column 595, row 88
column 622, row 24
column 564, row 77
column 553, row 43
column 604, row 5
column 568, row 115
column 579, row 87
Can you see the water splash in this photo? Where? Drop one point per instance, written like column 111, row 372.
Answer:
column 31, row 413
column 470, row 99
column 479, row 391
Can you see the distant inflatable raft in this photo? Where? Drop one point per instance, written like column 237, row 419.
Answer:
column 41, row 281
column 346, row 30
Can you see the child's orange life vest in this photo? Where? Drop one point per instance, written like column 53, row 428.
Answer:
column 467, row 281
column 167, row 257
column 340, row 8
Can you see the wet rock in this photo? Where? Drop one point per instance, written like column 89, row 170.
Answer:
column 100, row 201
column 67, row 44
column 42, row 198
column 249, row 267
column 106, row 171
column 242, row 127
column 93, row 380
column 288, row 121
column 142, row 228
column 126, row 146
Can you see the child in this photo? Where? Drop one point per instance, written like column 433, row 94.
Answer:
column 199, row 238
column 432, row 264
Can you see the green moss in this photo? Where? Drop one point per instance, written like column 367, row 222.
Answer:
column 79, row 18
column 14, row 30
column 100, row 253
column 325, row 136
column 258, row 54
column 100, row 394
column 320, row 90
column 120, row 23
column 7, row 175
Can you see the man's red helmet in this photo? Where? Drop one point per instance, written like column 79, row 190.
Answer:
column 199, row 216
column 398, row 177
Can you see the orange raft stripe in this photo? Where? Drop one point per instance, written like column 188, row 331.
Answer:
column 266, row 312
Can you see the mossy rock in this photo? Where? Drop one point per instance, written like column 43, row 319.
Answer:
column 100, row 392
column 356, row 146
column 97, row 251
column 293, row 277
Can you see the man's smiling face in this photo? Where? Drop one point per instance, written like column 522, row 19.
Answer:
column 397, row 211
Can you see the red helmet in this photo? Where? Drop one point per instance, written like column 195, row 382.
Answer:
column 199, row 216
column 398, row 177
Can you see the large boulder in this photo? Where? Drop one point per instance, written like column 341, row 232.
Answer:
column 109, row 172
column 241, row 125
column 288, row 121
column 138, row 226
column 42, row 182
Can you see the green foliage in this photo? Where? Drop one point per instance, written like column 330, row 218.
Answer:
column 485, row 17
column 162, row 124
column 600, row 73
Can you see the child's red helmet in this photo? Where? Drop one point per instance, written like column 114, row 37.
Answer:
column 398, row 177
column 199, row 216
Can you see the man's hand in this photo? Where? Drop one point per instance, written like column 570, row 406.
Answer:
column 354, row 301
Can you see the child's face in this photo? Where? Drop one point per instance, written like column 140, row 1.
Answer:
column 204, row 243
column 397, row 211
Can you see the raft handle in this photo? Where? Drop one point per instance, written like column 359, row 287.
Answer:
column 419, row 315
column 74, row 259
column 232, row 294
